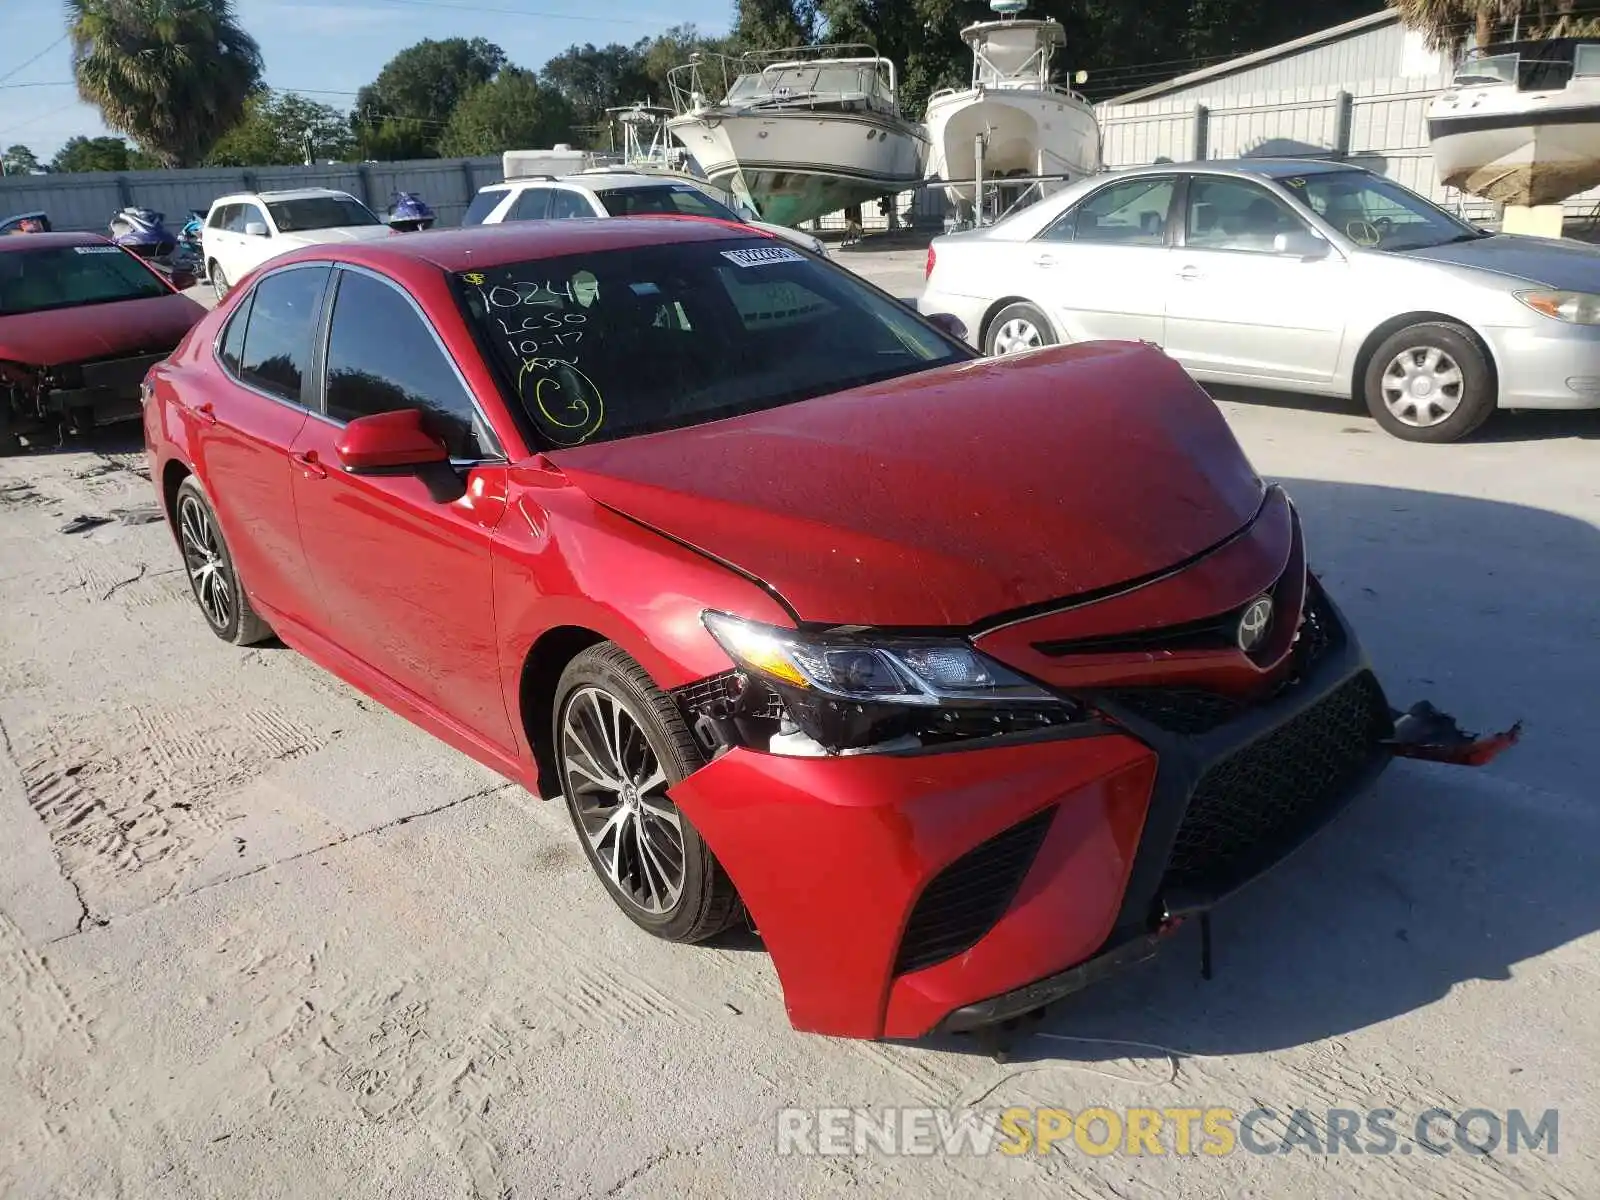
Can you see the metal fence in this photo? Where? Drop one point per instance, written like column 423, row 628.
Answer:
column 87, row 201
column 1386, row 132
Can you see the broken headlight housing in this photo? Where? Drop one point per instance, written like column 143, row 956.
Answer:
column 850, row 690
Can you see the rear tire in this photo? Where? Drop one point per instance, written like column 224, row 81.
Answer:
column 1017, row 328
column 1430, row 382
column 620, row 743
column 215, row 582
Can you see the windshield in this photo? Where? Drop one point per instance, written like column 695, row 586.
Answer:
column 674, row 200
column 1375, row 213
column 69, row 276
column 320, row 212
column 607, row 345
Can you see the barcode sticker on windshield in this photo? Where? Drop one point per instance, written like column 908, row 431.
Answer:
column 765, row 256
column 97, row 249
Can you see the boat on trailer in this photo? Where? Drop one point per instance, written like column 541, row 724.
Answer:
column 1520, row 124
column 1014, row 121
column 798, row 133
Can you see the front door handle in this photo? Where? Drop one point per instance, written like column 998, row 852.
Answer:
column 1190, row 274
column 310, row 465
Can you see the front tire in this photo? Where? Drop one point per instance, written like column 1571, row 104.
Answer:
column 1017, row 328
column 1431, row 382
column 219, row 281
column 620, row 744
column 216, row 585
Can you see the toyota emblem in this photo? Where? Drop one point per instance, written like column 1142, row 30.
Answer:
column 1255, row 622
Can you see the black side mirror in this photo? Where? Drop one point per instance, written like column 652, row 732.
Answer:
column 949, row 323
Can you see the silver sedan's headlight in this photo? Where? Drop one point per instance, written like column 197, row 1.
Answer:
column 1575, row 308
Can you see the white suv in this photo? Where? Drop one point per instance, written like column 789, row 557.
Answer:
column 613, row 192
column 242, row 231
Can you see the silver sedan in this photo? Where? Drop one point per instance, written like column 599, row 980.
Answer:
column 1306, row 276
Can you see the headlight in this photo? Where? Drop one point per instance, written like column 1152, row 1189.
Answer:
column 852, row 690
column 1575, row 308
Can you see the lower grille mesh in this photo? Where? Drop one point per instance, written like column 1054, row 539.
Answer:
column 964, row 901
column 1254, row 807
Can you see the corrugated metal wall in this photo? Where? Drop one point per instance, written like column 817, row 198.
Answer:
column 87, row 201
column 1384, row 74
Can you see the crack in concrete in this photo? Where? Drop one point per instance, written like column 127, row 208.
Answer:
column 84, row 915
column 279, row 862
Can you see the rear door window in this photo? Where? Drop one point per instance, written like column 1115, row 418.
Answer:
column 532, row 205
column 482, row 205
column 383, row 357
column 565, row 204
column 276, row 354
column 1131, row 213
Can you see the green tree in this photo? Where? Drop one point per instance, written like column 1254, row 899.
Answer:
column 1449, row 23
column 93, row 154
column 511, row 112
column 274, row 131
column 594, row 78
column 19, row 160
column 172, row 74
column 781, row 24
column 404, row 111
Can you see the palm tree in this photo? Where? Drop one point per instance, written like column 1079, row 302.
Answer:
column 171, row 74
column 1448, row 23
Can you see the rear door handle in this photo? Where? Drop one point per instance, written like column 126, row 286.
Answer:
column 1190, row 274
column 206, row 412
column 1044, row 260
column 310, row 465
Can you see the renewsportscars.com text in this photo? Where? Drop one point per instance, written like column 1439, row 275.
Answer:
column 1213, row 1132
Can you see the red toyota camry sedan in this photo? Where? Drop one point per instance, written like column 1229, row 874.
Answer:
column 965, row 680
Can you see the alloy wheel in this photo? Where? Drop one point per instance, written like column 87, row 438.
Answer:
column 1422, row 386
column 205, row 563
column 1016, row 335
column 219, row 282
column 617, row 787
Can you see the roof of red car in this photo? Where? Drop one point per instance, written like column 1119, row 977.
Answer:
column 519, row 241
column 44, row 241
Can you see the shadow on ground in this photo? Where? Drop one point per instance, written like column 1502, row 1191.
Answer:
column 1440, row 875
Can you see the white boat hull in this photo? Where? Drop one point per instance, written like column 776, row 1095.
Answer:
column 1514, row 148
column 1026, row 131
column 793, row 166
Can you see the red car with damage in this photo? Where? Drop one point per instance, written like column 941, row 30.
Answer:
column 964, row 680
column 81, row 322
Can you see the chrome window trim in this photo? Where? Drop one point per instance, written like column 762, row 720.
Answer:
column 500, row 458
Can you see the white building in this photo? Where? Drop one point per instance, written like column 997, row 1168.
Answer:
column 1359, row 90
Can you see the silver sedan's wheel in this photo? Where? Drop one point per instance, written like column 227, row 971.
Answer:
column 1016, row 335
column 1430, row 382
column 619, row 797
column 1422, row 386
column 1018, row 328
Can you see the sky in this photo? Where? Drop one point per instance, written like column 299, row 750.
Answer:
column 325, row 49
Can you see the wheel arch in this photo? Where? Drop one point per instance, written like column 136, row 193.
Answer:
column 546, row 659
column 172, row 477
column 1381, row 333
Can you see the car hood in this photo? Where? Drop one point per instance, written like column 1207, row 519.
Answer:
column 343, row 233
column 90, row 331
column 1572, row 266
column 945, row 497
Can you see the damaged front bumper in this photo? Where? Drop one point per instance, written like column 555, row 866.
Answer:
column 75, row 396
column 960, row 887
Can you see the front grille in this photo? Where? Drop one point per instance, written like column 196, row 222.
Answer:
column 964, row 900
column 1191, row 712
column 1252, row 808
